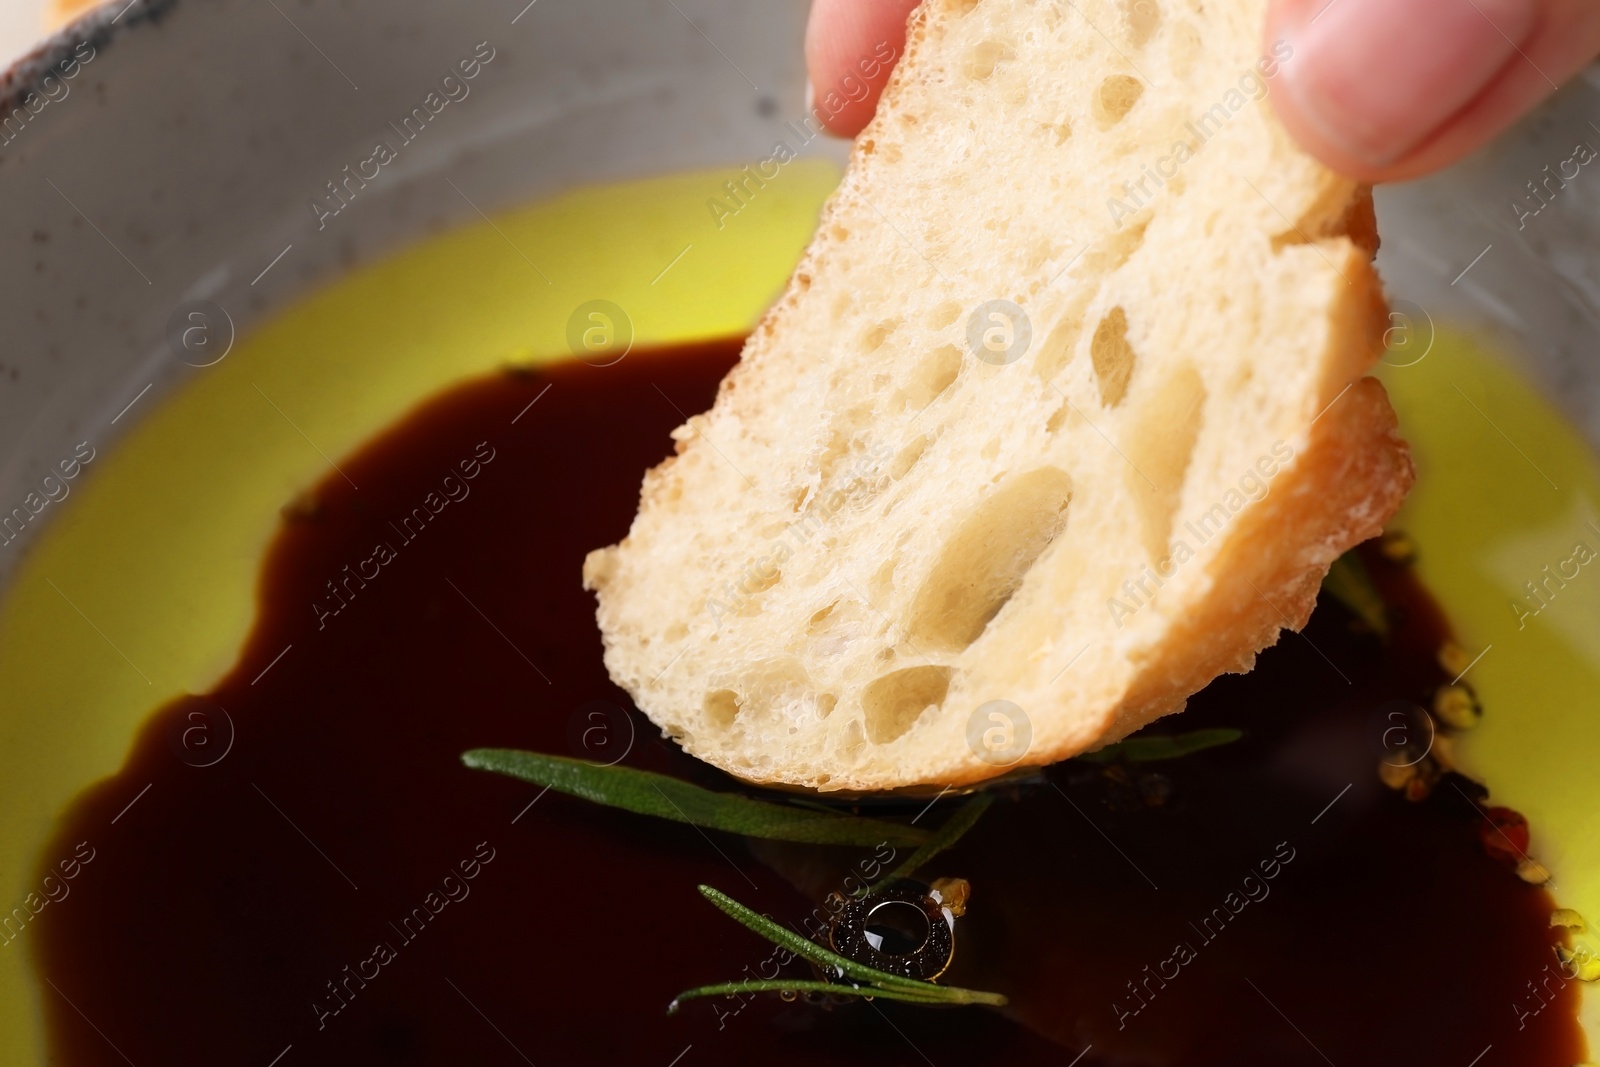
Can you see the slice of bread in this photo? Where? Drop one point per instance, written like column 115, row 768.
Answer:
column 1061, row 415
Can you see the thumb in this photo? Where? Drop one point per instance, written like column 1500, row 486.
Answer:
column 1389, row 89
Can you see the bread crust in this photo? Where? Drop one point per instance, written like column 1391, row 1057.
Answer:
column 1357, row 454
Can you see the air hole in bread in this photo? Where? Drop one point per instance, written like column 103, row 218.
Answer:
column 1055, row 352
column 890, row 704
column 1061, row 131
column 758, row 582
column 932, row 376
column 1114, row 249
column 1113, row 357
column 984, row 563
column 1166, row 427
column 1114, row 99
column 773, row 692
column 984, row 58
column 944, row 315
column 721, row 707
column 1059, row 419
column 1141, row 17
column 1040, row 252
column 907, row 457
column 872, row 337
column 881, row 584
column 959, row 7
column 842, row 440
column 814, row 623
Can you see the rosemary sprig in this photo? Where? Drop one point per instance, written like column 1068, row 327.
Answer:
column 1156, row 748
column 946, row 836
column 859, row 979
column 830, row 962
column 781, row 985
column 648, row 793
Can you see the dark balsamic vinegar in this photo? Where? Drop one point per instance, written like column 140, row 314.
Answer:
column 337, row 889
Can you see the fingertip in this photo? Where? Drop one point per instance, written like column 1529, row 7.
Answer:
column 1360, row 92
column 851, row 46
column 1564, row 36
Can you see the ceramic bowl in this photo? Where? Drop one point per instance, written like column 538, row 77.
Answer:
column 177, row 173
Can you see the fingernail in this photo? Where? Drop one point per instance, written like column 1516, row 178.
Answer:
column 1378, row 77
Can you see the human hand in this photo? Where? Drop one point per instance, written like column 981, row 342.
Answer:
column 1379, row 90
